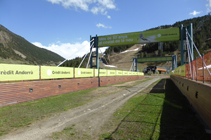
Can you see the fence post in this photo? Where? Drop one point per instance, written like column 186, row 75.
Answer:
column 73, row 72
column 192, row 69
column 196, row 70
column 39, row 72
column 182, row 44
column 93, row 72
column 188, row 73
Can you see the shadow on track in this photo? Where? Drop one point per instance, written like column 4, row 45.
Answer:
column 164, row 113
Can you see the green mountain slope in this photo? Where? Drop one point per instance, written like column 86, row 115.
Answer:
column 16, row 48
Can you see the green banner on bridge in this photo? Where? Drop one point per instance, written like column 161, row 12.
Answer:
column 154, row 59
column 160, row 35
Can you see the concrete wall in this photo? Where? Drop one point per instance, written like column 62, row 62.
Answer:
column 198, row 94
column 12, row 93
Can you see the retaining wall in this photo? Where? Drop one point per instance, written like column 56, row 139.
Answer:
column 198, row 94
column 13, row 93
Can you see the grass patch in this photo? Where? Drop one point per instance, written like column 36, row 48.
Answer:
column 19, row 115
column 65, row 134
column 68, row 128
column 136, row 118
column 23, row 114
column 128, row 85
column 165, row 115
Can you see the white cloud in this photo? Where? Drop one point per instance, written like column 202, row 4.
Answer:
column 103, row 26
column 102, row 49
column 94, row 10
column 98, row 6
column 209, row 3
column 107, row 3
column 208, row 6
column 68, row 50
column 109, row 17
column 195, row 13
column 82, row 4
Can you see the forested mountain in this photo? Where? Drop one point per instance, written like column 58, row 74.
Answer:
column 201, row 37
column 16, row 48
column 75, row 62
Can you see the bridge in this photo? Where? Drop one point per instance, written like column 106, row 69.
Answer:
column 22, row 83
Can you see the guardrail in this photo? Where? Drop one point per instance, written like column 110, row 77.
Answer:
column 12, row 72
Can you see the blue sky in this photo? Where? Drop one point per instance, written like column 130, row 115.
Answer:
column 65, row 26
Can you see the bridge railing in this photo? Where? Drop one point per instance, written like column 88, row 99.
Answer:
column 199, row 69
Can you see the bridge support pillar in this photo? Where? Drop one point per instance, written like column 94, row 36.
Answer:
column 190, row 31
column 135, row 62
column 97, row 54
column 182, row 33
column 91, row 60
column 173, row 60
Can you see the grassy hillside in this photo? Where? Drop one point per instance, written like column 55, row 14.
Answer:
column 16, row 48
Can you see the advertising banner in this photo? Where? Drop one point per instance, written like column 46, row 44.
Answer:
column 200, row 68
column 125, row 73
column 50, row 72
column 135, row 73
column 118, row 73
column 130, row 73
column 149, row 36
column 179, row 71
column 102, row 72
column 111, row 72
column 182, row 70
column 11, row 72
column 140, row 73
column 82, row 72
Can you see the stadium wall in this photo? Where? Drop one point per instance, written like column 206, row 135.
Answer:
column 23, row 91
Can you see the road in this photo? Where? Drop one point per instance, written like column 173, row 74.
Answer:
column 87, row 119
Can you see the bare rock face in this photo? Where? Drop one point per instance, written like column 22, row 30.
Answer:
column 4, row 38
